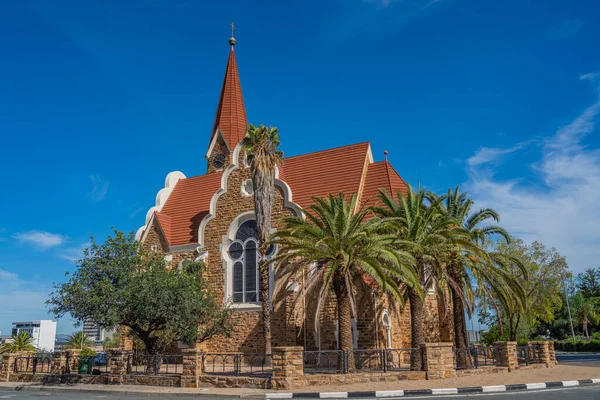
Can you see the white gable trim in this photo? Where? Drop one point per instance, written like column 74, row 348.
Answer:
column 370, row 154
column 212, row 211
column 161, row 198
column 213, row 142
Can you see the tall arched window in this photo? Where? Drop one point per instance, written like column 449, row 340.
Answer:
column 243, row 251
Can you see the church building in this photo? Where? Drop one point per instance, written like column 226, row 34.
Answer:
column 211, row 217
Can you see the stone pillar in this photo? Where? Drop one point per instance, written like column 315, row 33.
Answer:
column 552, row 354
column 8, row 364
column 192, row 368
column 288, row 367
column 125, row 342
column 59, row 363
column 117, row 364
column 72, row 361
column 508, row 355
column 6, row 368
column 547, row 355
column 438, row 360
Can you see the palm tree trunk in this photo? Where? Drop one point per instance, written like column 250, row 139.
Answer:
column 264, row 194
column 460, row 337
column 459, row 320
column 344, row 320
column 417, row 326
column 264, row 298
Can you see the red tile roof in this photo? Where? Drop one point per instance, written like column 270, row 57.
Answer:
column 187, row 205
column 310, row 175
column 381, row 175
column 325, row 172
column 231, row 113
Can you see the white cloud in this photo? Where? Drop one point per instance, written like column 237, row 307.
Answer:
column 73, row 254
column 561, row 209
column 20, row 299
column 488, row 154
column 40, row 239
column 100, row 188
column 5, row 275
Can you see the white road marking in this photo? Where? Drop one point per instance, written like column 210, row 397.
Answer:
column 445, row 391
column 389, row 393
column 531, row 386
column 570, row 383
column 333, row 395
column 491, row 389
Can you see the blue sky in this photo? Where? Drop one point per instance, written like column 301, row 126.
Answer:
column 100, row 100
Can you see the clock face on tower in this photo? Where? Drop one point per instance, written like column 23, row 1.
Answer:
column 218, row 160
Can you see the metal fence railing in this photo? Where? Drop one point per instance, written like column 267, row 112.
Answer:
column 94, row 365
column 475, row 357
column 370, row 360
column 154, row 364
column 33, row 364
column 237, row 364
column 529, row 354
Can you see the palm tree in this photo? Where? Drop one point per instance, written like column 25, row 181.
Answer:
column 78, row 340
column 20, row 342
column 420, row 221
column 336, row 247
column 263, row 156
column 457, row 206
column 586, row 312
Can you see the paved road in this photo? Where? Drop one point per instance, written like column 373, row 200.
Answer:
column 581, row 393
column 583, row 360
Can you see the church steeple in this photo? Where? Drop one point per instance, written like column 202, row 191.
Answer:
column 231, row 118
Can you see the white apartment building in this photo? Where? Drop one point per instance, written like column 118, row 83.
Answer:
column 43, row 332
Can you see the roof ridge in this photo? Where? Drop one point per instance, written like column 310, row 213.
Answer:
column 389, row 165
column 333, row 148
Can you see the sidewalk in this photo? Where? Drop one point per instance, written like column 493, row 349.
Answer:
column 558, row 373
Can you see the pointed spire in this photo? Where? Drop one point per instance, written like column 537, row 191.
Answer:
column 231, row 113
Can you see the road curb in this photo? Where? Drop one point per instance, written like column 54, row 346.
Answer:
column 322, row 395
column 434, row 392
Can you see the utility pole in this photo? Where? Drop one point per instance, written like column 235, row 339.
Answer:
column 570, row 319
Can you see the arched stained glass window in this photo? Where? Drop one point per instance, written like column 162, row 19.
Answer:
column 243, row 251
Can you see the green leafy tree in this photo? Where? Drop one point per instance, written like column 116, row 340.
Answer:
column 542, row 273
column 111, row 342
column 20, row 342
column 588, row 283
column 335, row 247
column 263, row 156
column 78, row 340
column 118, row 283
column 586, row 312
column 431, row 235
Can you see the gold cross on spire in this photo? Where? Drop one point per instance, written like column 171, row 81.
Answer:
column 232, row 39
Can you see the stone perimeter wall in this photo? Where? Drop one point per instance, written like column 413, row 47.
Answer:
column 288, row 370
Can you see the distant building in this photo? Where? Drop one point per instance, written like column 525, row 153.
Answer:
column 6, row 339
column 60, row 342
column 474, row 336
column 95, row 331
column 43, row 332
